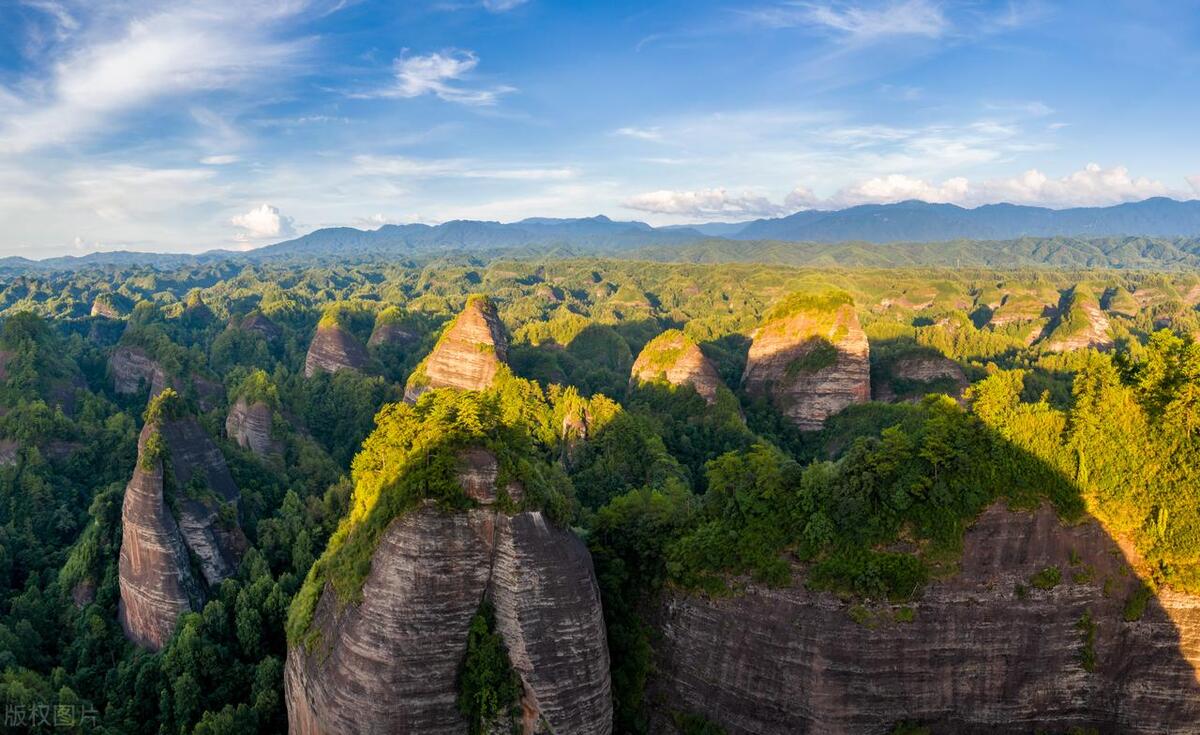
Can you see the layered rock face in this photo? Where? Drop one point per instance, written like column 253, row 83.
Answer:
column 1094, row 333
column 249, row 426
column 156, row 581
column 468, row 355
column 674, row 357
column 131, row 367
column 259, row 324
column 333, row 349
column 390, row 333
column 986, row 652
column 155, row 578
column 926, row 369
column 389, row 664
column 810, row 363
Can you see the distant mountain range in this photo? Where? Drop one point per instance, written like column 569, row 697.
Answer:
column 871, row 233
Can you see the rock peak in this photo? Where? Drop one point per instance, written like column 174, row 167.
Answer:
column 469, row 354
column 333, row 348
column 673, row 356
column 810, row 358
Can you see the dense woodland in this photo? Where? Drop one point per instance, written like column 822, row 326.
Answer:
column 667, row 490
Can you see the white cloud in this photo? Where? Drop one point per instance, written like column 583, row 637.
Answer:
column 1194, row 182
column 1090, row 186
column 222, row 160
column 187, row 49
column 441, row 74
column 263, row 222
column 462, row 168
column 653, row 134
column 898, row 18
column 898, row 187
column 501, row 6
column 704, row 203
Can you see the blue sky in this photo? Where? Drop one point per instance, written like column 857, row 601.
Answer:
column 192, row 125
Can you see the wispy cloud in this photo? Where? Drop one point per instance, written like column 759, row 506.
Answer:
column 186, row 49
column 443, row 74
column 403, row 167
column 858, row 22
column 705, row 203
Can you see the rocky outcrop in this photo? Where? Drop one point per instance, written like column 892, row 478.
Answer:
column 983, row 652
column 468, row 355
column 810, row 359
column 918, row 372
column 389, row 663
column 333, row 349
column 131, row 368
column 156, row 580
column 249, row 426
column 259, row 324
column 106, row 307
column 155, row 577
column 672, row 356
column 390, row 333
column 1082, row 324
column 10, row 449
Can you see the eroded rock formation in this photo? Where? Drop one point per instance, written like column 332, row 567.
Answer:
column 259, row 324
column 985, row 651
column 249, row 426
column 919, row 371
column 131, row 368
column 389, row 663
column 154, row 575
column 468, row 355
column 674, row 357
column 156, row 580
column 332, row 349
column 810, row 358
column 1082, row 324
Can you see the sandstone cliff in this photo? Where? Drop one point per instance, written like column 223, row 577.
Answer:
column 249, row 426
column 259, row 324
column 918, row 373
column 1082, row 323
column 332, row 349
column 468, row 355
column 156, row 580
column 389, row 664
column 984, row 651
column 131, row 368
column 810, row 358
column 672, row 356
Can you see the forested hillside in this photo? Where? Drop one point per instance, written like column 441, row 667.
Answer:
column 711, row 436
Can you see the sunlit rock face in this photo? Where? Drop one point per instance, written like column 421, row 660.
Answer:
column 130, row 368
column 249, row 426
column 1093, row 331
column 985, row 651
column 810, row 361
column 333, row 349
column 155, row 578
column 675, row 358
column 468, row 355
column 155, row 573
column 389, row 663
